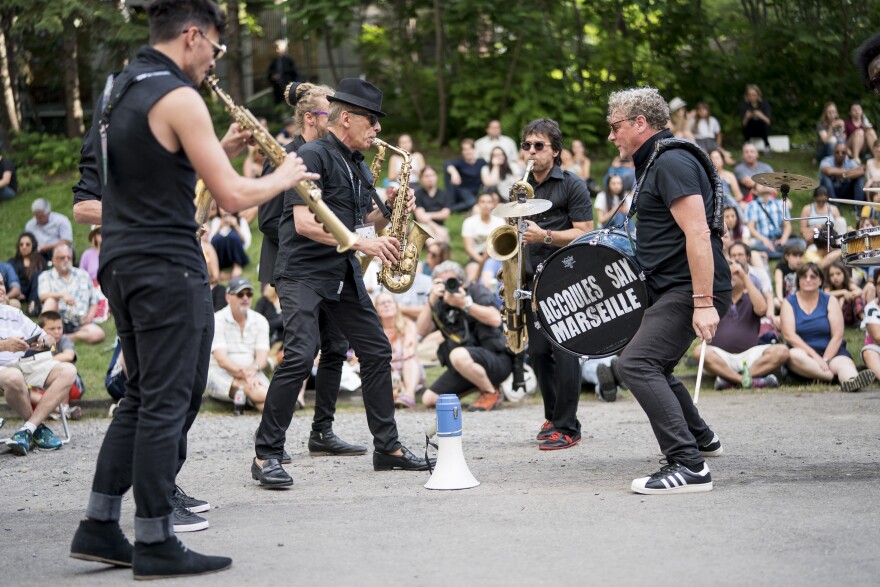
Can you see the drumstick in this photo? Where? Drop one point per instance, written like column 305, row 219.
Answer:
column 700, row 372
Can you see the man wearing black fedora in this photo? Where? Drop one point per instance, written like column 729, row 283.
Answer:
column 311, row 275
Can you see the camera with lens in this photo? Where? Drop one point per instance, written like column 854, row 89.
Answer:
column 453, row 284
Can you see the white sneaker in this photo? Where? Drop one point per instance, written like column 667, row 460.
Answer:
column 674, row 478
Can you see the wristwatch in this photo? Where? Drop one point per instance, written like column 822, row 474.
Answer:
column 548, row 240
column 468, row 304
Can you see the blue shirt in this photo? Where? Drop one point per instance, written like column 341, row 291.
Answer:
column 771, row 229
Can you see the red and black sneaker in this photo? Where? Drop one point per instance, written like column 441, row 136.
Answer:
column 558, row 441
column 546, row 431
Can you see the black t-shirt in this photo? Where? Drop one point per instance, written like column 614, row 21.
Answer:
column 89, row 185
column 470, row 173
column 347, row 188
column 763, row 106
column 661, row 249
column 469, row 330
column 571, row 203
column 7, row 165
column 436, row 203
column 268, row 215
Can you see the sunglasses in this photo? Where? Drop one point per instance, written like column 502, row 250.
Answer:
column 373, row 118
column 245, row 294
column 219, row 50
column 322, row 113
column 527, row 145
column 615, row 126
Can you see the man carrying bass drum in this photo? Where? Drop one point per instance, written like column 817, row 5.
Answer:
column 557, row 372
column 688, row 284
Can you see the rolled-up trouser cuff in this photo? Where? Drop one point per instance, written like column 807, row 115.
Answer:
column 104, row 508
column 153, row 530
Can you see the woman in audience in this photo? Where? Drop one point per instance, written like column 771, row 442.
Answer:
column 500, row 173
column 417, row 163
column 230, row 237
column 580, row 159
column 28, row 264
column 872, row 171
column 848, row 294
column 737, row 230
column 820, row 210
column 89, row 260
column 607, row 201
column 679, row 120
column 436, row 253
column 756, row 115
column 830, row 129
column 707, row 130
column 812, row 324
column 407, row 374
column 860, row 134
column 432, row 205
column 728, row 180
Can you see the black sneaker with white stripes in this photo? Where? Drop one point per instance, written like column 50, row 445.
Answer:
column 713, row 449
column 674, row 478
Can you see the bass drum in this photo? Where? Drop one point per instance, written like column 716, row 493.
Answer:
column 589, row 297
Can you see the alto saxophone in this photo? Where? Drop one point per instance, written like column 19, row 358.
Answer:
column 307, row 190
column 375, row 168
column 400, row 276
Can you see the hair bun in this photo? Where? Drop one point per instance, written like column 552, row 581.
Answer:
column 290, row 94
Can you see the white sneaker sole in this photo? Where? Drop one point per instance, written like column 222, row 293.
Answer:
column 197, row 509
column 191, row 527
column 639, row 487
column 713, row 453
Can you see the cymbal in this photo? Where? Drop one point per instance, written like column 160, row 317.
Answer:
column 517, row 209
column 792, row 180
column 854, row 202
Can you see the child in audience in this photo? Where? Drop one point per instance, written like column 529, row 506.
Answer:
column 871, row 326
column 785, row 278
column 63, row 351
column 847, row 293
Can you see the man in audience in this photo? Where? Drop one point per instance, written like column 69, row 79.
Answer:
column 842, row 176
column 625, row 168
column 17, row 336
column 765, row 216
column 8, row 179
column 69, row 291
column 736, row 344
column 463, row 177
column 483, row 146
column 50, row 228
column 240, row 350
column 473, row 349
column 749, row 166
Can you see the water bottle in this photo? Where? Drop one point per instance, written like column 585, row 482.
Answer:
column 238, row 402
column 747, row 376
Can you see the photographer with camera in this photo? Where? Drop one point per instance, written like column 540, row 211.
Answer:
column 473, row 350
column 231, row 236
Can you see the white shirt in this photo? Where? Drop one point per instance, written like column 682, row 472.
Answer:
column 14, row 324
column 474, row 227
column 484, row 146
column 706, row 129
column 240, row 345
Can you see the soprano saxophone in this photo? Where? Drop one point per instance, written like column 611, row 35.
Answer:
column 307, row 190
column 400, row 276
column 375, row 169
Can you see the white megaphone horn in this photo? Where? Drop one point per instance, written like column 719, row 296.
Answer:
column 451, row 471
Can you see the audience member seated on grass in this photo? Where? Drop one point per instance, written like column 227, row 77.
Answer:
column 500, row 173
column 69, row 291
column 831, row 131
column 842, row 176
column 785, row 274
column 820, row 207
column 860, row 134
column 871, row 326
column 269, row 306
column 737, row 231
column 736, row 343
column 50, row 228
column 64, row 351
column 18, row 335
column 432, row 205
column 407, row 375
column 848, row 294
column 812, row 324
column 90, row 259
column 474, row 232
column 417, row 163
column 28, row 264
column 581, row 161
column 755, row 114
column 680, row 120
column 625, row 168
column 463, row 178
column 872, row 172
column 240, row 350
column 765, row 216
column 602, row 374
column 414, row 299
column 436, row 253
column 707, row 130
column 607, row 201
column 749, row 166
column 728, row 180
column 13, row 285
column 8, row 179
column 819, row 253
column 230, row 237
column 493, row 138
column 474, row 349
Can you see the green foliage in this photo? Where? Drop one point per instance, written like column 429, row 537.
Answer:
column 37, row 155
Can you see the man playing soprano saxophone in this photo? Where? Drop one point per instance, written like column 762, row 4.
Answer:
column 311, row 275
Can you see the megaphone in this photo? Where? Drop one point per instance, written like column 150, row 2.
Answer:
column 451, row 471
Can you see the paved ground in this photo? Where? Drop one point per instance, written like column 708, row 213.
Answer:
column 796, row 502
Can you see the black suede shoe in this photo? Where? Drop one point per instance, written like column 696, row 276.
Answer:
column 101, row 542
column 326, row 443
column 406, row 462
column 271, row 475
column 171, row 558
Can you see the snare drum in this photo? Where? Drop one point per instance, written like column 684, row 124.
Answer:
column 589, row 297
column 861, row 247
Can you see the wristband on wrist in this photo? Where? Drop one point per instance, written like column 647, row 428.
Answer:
column 702, row 307
column 697, row 296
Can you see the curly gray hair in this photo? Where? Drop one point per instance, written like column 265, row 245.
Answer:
column 645, row 101
column 449, row 267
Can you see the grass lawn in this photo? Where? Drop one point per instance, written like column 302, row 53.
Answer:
column 93, row 360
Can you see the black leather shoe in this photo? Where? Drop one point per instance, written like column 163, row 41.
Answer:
column 326, row 443
column 285, row 458
column 272, row 474
column 406, row 462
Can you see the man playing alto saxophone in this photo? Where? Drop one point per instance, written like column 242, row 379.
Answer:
column 310, row 274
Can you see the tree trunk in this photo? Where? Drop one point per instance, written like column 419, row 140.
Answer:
column 233, row 41
column 72, row 103
column 10, row 112
column 441, row 73
column 328, row 46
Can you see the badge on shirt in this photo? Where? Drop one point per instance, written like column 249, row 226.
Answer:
column 367, row 230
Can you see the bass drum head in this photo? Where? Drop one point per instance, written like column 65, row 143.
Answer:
column 589, row 298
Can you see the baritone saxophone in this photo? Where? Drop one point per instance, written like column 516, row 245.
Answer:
column 307, row 190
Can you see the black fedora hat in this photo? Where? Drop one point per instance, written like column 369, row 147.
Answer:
column 355, row 91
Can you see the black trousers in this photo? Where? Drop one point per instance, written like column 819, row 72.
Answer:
column 334, row 347
column 165, row 323
column 356, row 318
column 559, row 377
column 756, row 128
column 646, row 366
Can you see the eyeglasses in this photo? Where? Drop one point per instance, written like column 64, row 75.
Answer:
column 373, row 118
column 527, row 145
column 65, row 258
column 615, row 126
column 322, row 113
column 219, row 50
column 245, row 294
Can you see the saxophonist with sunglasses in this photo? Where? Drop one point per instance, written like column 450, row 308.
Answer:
column 557, row 372
column 311, row 276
